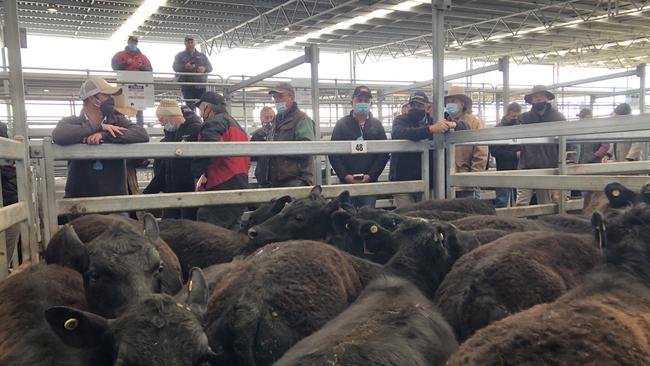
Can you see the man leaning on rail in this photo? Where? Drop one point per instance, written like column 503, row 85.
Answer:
column 539, row 156
column 96, row 124
column 415, row 125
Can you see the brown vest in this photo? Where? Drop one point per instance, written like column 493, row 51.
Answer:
column 284, row 168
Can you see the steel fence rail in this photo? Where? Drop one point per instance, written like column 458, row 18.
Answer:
column 11, row 149
column 551, row 182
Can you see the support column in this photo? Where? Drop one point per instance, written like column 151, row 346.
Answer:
column 562, row 171
column 641, row 73
column 12, row 42
column 315, row 97
column 438, row 44
column 353, row 68
column 504, row 67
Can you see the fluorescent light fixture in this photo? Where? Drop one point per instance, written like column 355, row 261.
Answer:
column 51, row 8
column 144, row 11
column 346, row 24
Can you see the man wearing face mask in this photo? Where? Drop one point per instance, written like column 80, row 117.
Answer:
column 220, row 173
column 359, row 125
column 291, row 124
column 415, row 126
column 507, row 156
column 539, row 156
column 132, row 59
column 97, row 123
column 469, row 158
column 267, row 115
column 175, row 174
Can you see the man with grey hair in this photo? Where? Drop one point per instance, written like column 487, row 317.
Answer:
column 267, row 115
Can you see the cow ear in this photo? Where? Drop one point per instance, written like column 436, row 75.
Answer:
column 316, row 193
column 600, row 229
column 151, row 230
column 77, row 328
column 280, row 203
column 618, row 195
column 69, row 251
column 447, row 235
column 341, row 220
column 197, row 292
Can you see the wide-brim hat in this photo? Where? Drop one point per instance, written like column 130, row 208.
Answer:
column 168, row 108
column 459, row 92
column 122, row 106
column 536, row 90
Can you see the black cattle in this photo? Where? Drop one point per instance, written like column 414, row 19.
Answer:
column 25, row 337
column 304, row 219
column 436, row 215
column 278, row 295
column 512, row 274
column 390, row 324
column 157, row 331
column 119, row 266
column 88, row 227
column 603, row 321
column 561, row 223
column 464, row 205
column 200, row 244
column 264, row 212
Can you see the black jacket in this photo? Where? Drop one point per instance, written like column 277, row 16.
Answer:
column 89, row 178
column 506, row 155
column 175, row 174
column 261, row 168
column 540, row 156
column 348, row 129
column 199, row 59
column 9, row 184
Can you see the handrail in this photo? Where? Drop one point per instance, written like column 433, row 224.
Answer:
column 12, row 215
column 11, row 149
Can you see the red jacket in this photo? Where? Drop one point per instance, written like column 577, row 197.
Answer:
column 218, row 170
column 126, row 60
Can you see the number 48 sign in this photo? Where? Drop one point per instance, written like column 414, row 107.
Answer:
column 359, row 147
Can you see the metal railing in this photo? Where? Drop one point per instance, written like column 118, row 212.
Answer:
column 18, row 213
column 48, row 153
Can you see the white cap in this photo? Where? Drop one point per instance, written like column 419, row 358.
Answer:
column 96, row 85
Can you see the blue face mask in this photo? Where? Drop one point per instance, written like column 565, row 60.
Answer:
column 170, row 127
column 132, row 48
column 451, row 108
column 362, row 109
column 280, row 107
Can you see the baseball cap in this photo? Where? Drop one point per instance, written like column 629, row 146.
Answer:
column 361, row 90
column 96, row 85
column 419, row 97
column 189, row 38
column 584, row 112
column 212, row 98
column 282, row 88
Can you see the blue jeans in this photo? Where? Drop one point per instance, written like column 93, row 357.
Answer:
column 468, row 194
column 504, row 196
column 369, row 201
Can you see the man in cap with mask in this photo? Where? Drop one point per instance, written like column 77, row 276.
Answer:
column 175, row 174
column 132, row 59
column 267, row 115
column 97, row 123
column 539, row 156
column 224, row 172
column 359, row 125
column 291, row 124
column 414, row 126
column 469, row 158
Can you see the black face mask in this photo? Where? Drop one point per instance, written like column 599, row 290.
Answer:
column 415, row 115
column 539, row 106
column 107, row 107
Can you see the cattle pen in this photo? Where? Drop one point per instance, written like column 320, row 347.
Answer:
column 36, row 156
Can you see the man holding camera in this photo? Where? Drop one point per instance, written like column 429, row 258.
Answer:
column 359, row 125
column 192, row 61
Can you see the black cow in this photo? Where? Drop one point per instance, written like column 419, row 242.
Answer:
column 264, row 212
column 119, row 266
column 603, row 321
column 390, row 324
column 464, row 205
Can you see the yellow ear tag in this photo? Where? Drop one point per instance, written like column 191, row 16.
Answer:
column 71, row 324
column 441, row 236
column 189, row 286
column 347, row 226
column 616, row 193
column 340, row 209
column 374, row 229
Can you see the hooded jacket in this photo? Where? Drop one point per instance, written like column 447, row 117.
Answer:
column 130, row 61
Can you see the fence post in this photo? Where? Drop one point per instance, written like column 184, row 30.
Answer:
column 562, row 171
column 50, row 217
column 451, row 169
column 426, row 191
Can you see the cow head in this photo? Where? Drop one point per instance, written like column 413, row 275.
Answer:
column 265, row 212
column 157, row 331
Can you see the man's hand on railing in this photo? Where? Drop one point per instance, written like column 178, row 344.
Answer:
column 94, row 139
column 441, row 126
column 113, row 130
